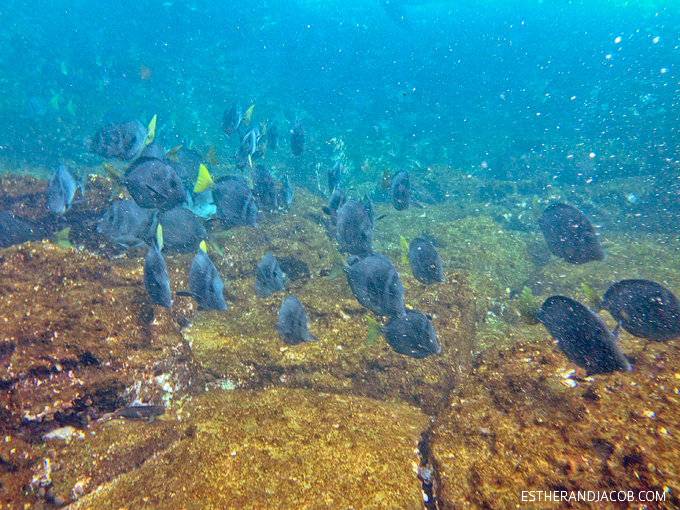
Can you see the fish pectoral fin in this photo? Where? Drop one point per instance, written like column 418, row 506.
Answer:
column 156, row 191
column 186, row 293
column 416, row 204
column 313, row 337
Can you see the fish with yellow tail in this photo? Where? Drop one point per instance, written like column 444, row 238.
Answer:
column 152, row 131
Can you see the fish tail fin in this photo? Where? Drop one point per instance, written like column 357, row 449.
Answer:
column 203, row 247
column 592, row 296
column 116, row 179
column 338, row 265
column 159, row 237
column 203, row 181
column 54, row 102
column 313, row 337
column 247, row 115
column 217, row 249
column 152, row 131
column 60, row 238
column 527, row 306
column 404, row 250
column 374, row 330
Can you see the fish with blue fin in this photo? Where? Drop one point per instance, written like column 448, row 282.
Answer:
column 205, row 285
column 569, row 234
column 293, row 325
column 268, row 277
column 61, row 189
column 232, row 118
column 156, row 279
column 411, row 335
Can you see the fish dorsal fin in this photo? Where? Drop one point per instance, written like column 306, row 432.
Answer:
column 159, row 237
column 203, row 181
column 152, row 131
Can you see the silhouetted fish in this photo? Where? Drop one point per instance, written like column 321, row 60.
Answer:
column 183, row 231
column 156, row 279
column 582, row 336
column 569, row 234
column 297, row 139
column 334, row 176
column 268, row 277
column 264, row 188
column 645, row 309
column 128, row 224
column 61, row 189
column 248, row 148
column 152, row 183
column 153, row 150
column 336, row 201
column 232, row 118
column 292, row 324
column 235, row 203
column 376, row 284
column 205, row 285
column 122, row 141
column 272, row 136
column 186, row 165
column 412, row 335
column 400, row 190
column 287, row 192
column 14, row 230
column 426, row 264
column 355, row 234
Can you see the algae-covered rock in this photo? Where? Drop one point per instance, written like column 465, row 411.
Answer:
column 279, row 449
column 528, row 420
column 242, row 346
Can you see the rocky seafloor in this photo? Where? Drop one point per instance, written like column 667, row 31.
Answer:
column 253, row 423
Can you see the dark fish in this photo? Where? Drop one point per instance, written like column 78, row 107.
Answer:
column 426, row 264
column 61, row 189
column 287, row 192
column 582, row 336
column 153, row 150
column 183, row 231
column 264, row 189
column 205, row 285
column 337, row 200
column 140, row 412
column 376, row 284
column 272, row 136
column 235, row 202
column 334, row 176
column 292, row 324
column 297, row 139
column 156, row 279
column 248, row 147
column 355, row 234
column 370, row 210
column 645, row 309
column 122, row 141
column 154, row 184
column 186, row 165
column 412, row 335
column 128, row 224
column 400, row 190
column 232, row 118
column 14, row 230
column 268, row 277
column 569, row 234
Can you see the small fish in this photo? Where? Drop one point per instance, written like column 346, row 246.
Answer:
column 374, row 282
column 183, row 231
column 248, row 147
column 232, row 118
column 412, row 335
column 156, row 279
column 354, row 232
column 15, row 230
column 234, row 202
column 426, row 264
column 211, row 157
column 569, row 234
column 292, row 324
column 287, row 192
column 272, row 136
column 171, row 154
column 264, row 189
column 152, row 183
column 128, row 224
column 400, row 190
column 205, row 285
column 335, row 202
column 582, row 336
column 297, row 139
column 247, row 115
column 140, row 412
column 151, row 131
column 61, row 189
column 334, row 176
column 644, row 308
column 268, row 277
column 121, row 141
column 385, row 183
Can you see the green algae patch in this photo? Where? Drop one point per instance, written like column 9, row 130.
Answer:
column 242, row 346
column 528, row 420
column 279, row 449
